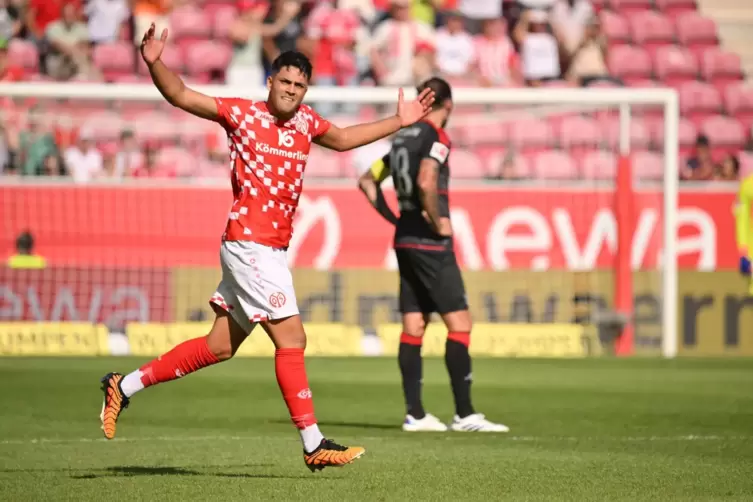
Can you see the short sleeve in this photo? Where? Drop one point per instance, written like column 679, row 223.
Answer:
column 230, row 111
column 435, row 146
column 321, row 125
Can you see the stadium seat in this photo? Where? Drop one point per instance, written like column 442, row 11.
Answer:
column 698, row 101
column 179, row 160
column 189, row 23
column 465, row 164
column 675, row 65
column 640, row 136
column 687, row 134
column 222, row 17
column 492, row 159
column 24, row 54
column 208, row 56
column 631, row 7
column 629, row 63
column 599, row 165
column 652, row 30
column 673, row 8
column 104, row 125
column 721, row 67
column 738, row 101
column 482, row 133
column 615, row 27
column 156, row 128
column 171, row 56
column 323, row 163
column 531, row 135
column 696, row 32
column 746, row 164
column 554, row 165
column 725, row 134
column 115, row 59
column 647, row 166
column 579, row 132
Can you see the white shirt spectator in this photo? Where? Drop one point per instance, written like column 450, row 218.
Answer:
column 397, row 42
column 455, row 52
column 480, row 9
column 105, row 19
column 83, row 165
column 540, row 56
column 571, row 21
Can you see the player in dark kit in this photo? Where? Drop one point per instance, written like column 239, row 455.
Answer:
column 430, row 279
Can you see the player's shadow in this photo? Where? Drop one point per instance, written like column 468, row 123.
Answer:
column 138, row 470
column 352, row 425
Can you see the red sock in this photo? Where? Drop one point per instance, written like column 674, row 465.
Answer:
column 294, row 385
column 185, row 358
column 411, row 340
column 464, row 338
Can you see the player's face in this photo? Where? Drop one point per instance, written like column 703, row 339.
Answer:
column 448, row 111
column 287, row 89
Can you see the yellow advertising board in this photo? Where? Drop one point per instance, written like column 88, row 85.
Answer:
column 53, row 339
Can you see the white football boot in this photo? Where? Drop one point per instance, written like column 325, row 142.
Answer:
column 476, row 423
column 429, row 423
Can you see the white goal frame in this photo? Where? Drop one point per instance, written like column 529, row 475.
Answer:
column 623, row 99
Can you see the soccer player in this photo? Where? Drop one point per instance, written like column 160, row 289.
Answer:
column 744, row 228
column 430, row 279
column 269, row 144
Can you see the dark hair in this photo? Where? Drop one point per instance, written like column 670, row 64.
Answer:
column 735, row 163
column 442, row 91
column 293, row 59
column 25, row 243
column 702, row 140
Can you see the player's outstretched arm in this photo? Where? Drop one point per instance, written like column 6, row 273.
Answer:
column 370, row 185
column 169, row 84
column 347, row 138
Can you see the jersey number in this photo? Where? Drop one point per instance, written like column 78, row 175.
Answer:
column 400, row 164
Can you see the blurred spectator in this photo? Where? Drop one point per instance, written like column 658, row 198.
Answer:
column 700, row 166
column 106, row 19
column 497, row 61
column 25, row 256
column 150, row 167
column 69, row 40
column 146, row 12
column 83, row 159
column 11, row 23
column 364, row 8
column 477, row 11
column 35, row 144
column 456, row 53
column 539, row 48
column 127, row 157
column 589, row 60
column 423, row 11
column 571, row 18
column 246, row 32
column 286, row 38
column 506, row 169
column 53, row 166
column 395, row 44
column 728, row 169
column 42, row 13
column 9, row 72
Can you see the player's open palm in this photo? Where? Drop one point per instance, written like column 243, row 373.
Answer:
column 152, row 47
column 413, row 111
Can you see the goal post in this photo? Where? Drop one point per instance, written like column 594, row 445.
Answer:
column 498, row 105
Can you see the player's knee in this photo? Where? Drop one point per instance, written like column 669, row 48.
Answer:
column 459, row 322
column 222, row 349
column 414, row 326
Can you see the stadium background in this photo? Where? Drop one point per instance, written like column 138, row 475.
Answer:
column 125, row 199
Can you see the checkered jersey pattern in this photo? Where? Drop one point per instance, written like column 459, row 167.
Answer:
column 267, row 159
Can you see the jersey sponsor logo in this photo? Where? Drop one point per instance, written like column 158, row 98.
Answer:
column 439, row 152
column 285, row 138
column 277, row 300
column 280, row 152
column 304, row 394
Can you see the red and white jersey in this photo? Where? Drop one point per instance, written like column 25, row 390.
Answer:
column 267, row 159
column 495, row 57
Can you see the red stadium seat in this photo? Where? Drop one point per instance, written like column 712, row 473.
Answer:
column 630, row 63
column 104, row 125
column 640, row 135
column 652, row 30
column 746, row 164
column 674, row 7
column 208, row 56
column 696, row 32
column 224, row 15
column 189, row 23
column 725, row 134
column 323, row 163
column 465, row 164
column 171, row 56
column 579, row 132
column 721, row 67
column 179, row 160
column 631, row 7
column 554, row 165
column 699, row 101
column 115, row 59
column 675, row 65
column 493, row 158
column 615, row 27
column 531, row 135
column 599, row 165
column 23, row 54
column 738, row 101
column 481, row 133
column 687, row 134
column 647, row 166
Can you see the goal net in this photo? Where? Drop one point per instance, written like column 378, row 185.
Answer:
column 564, row 204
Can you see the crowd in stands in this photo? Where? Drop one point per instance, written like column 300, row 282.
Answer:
column 488, row 43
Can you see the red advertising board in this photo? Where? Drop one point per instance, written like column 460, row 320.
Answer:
column 496, row 227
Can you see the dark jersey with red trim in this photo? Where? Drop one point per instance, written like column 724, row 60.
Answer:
column 409, row 147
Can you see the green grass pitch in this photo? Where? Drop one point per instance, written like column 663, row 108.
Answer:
column 582, row 430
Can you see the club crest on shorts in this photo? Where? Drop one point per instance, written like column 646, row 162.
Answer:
column 277, row 300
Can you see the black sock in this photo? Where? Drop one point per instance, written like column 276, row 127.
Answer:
column 458, row 362
column 411, row 367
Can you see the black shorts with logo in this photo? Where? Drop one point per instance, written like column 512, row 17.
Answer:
column 430, row 281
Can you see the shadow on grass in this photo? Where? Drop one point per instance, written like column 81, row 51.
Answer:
column 351, row 425
column 137, row 470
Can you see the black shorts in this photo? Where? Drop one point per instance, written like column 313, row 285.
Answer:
column 430, row 281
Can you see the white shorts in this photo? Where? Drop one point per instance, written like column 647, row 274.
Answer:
column 256, row 283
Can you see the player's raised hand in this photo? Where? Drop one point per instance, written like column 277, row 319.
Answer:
column 151, row 47
column 412, row 112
